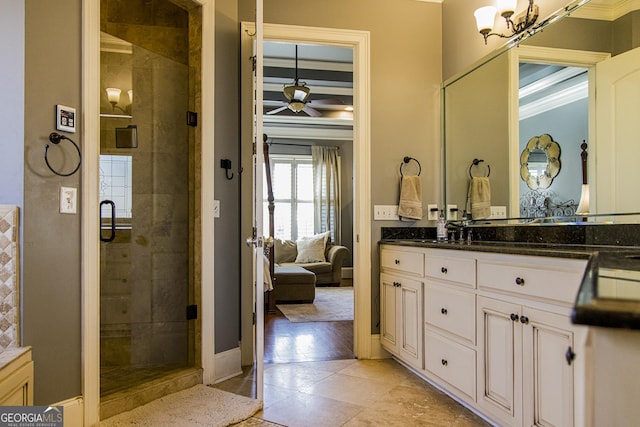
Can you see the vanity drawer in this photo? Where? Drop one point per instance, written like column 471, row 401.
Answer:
column 452, row 310
column 453, row 362
column 551, row 279
column 453, row 269
column 402, row 261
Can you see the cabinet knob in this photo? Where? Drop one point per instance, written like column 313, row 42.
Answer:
column 444, row 270
column 397, row 284
column 444, row 362
column 397, row 261
column 514, row 317
column 443, row 310
column 569, row 355
column 519, row 281
column 524, row 319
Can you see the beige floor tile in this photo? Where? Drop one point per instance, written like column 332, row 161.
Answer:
column 350, row 389
column 383, row 370
column 293, row 376
column 328, row 366
column 306, row 410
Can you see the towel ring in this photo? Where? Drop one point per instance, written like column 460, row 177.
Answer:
column 476, row 162
column 55, row 138
column 407, row 159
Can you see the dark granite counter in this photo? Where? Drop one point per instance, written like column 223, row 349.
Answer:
column 613, row 252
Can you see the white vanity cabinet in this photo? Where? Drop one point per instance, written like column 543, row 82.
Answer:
column 491, row 329
column 401, row 287
column 449, row 314
column 527, row 346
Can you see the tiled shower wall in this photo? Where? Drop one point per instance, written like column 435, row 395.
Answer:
column 9, row 277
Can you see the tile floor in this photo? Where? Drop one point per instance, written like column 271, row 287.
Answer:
column 349, row 393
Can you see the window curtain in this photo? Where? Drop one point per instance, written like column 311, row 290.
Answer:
column 326, row 191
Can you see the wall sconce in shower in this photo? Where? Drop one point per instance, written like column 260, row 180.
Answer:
column 485, row 18
column 113, row 95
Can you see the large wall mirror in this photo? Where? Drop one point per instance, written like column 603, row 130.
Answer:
column 546, row 86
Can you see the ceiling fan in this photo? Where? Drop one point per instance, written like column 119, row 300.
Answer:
column 297, row 96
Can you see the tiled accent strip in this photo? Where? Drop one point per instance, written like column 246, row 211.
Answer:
column 9, row 278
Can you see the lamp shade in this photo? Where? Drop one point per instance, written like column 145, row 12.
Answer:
column 485, row 18
column 113, row 94
column 507, row 7
column 583, row 206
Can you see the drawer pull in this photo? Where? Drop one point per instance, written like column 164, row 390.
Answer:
column 444, row 362
column 397, row 284
column 397, row 261
column 444, row 270
column 443, row 310
column 519, row 281
column 514, row 317
column 524, row 319
column 569, row 355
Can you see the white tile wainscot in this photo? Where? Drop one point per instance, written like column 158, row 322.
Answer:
column 494, row 330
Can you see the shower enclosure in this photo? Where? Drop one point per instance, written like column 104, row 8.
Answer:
column 147, row 153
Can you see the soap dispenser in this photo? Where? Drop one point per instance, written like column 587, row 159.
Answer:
column 441, row 228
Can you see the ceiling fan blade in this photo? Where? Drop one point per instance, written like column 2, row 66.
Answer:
column 332, row 101
column 277, row 110
column 311, row 111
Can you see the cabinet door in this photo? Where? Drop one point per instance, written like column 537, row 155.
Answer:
column 547, row 369
column 410, row 331
column 499, row 356
column 388, row 305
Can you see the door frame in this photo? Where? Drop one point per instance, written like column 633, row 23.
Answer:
column 360, row 42
column 90, row 243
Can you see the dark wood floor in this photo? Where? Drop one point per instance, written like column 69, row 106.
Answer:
column 287, row 342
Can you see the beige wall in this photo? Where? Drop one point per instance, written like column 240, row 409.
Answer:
column 405, row 83
column 51, row 241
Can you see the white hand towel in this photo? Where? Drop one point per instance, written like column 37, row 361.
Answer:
column 410, row 206
column 480, row 197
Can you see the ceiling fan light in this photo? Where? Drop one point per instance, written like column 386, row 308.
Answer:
column 296, row 106
column 296, row 93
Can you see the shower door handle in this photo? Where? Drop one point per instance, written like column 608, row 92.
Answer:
column 113, row 221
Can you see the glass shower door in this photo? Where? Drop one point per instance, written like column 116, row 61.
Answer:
column 146, row 269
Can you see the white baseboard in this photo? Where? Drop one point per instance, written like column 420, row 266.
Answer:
column 377, row 352
column 228, row 364
column 347, row 272
column 73, row 411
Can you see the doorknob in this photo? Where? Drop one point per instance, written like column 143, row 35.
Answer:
column 259, row 242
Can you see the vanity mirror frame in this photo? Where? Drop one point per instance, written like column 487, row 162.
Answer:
column 551, row 150
column 525, row 53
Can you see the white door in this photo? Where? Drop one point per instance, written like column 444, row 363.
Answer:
column 618, row 127
column 388, row 308
column 410, row 332
column 258, row 241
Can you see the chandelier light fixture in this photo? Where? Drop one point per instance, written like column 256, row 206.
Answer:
column 485, row 18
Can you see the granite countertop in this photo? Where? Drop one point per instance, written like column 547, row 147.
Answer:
column 9, row 355
column 613, row 254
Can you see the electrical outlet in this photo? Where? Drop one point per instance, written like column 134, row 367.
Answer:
column 68, row 200
column 498, row 212
column 432, row 212
column 385, row 212
column 452, row 212
column 216, row 208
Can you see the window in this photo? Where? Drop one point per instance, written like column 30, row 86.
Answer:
column 115, row 185
column 292, row 179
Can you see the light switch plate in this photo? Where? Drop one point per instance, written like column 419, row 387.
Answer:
column 452, row 212
column 65, row 118
column 385, row 212
column 68, row 200
column 216, row 208
column 432, row 212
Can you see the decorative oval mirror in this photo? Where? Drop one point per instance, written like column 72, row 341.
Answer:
column 540, row 162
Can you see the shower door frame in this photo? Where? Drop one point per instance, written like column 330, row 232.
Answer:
column 90, row 275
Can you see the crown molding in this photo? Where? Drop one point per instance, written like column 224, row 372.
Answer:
column 606, row 10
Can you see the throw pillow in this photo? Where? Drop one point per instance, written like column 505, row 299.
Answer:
column 311, row 249
column 284, row 251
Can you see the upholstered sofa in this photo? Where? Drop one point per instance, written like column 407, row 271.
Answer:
column 328, row 269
